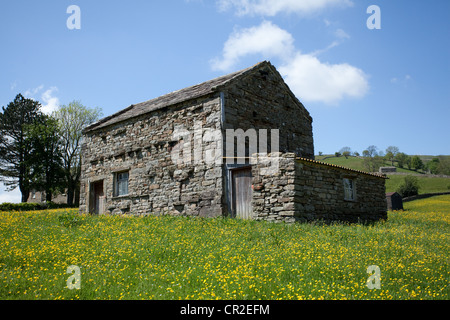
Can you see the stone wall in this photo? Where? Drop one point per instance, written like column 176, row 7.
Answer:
column 261, row 100
column 306, row 190
column 144, row 146
column 39, row 197
column 424, row 195
column 274, row 193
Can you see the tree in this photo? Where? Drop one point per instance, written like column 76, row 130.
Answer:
column 390, row 157
column 409, row 162
column 372, row 151
column 72, row 119
column 346, row 152
column 409, row 187
column 372, row 161
column 46, row 160
column 402, row 159
column 444, row 165
column 337, row 154
column 14, row 145
column 416, row 163
column 391, row 152
column 433, row 166
column 372, row 164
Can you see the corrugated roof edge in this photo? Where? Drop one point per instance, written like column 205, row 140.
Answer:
column 377, row 175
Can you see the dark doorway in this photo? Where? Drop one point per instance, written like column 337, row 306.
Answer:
column 96, row 205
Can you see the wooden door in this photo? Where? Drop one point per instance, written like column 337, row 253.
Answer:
column 97, row 195
column 242, row 193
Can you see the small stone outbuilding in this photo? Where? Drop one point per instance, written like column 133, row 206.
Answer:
column 387, row 169
column 240, row 145
column 306, row 190
column 394, row 201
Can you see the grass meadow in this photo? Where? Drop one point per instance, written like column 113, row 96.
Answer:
column 122, row 257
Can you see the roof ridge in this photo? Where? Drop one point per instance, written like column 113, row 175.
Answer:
column 241, row 73
column 235, row 75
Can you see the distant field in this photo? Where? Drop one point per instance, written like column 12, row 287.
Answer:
column 427, row 184
column 351, row 162
column 357, row 163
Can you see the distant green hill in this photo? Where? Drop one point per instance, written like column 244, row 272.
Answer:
column 427, row 184
column 357, row 163
column 351, row 162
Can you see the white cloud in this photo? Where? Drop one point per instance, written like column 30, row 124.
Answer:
column 330, row 46
column 341, row 34
column 402, row 80
column 266, row 39
column 48, row 101
column 308, row 77
column 32, row 92
column 13, row 85
column 12, row 196
column 313, row 80
column 273, row 7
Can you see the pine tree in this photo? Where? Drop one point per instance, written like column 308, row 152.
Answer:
column 15, row 148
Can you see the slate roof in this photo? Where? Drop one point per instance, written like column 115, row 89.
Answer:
column 172, row 98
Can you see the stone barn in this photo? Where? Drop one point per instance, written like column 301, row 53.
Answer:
column 240, row 145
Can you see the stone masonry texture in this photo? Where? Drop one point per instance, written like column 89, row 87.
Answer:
column 307, row 190
column 143, row 139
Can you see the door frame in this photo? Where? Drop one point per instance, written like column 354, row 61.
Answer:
column 231, row 169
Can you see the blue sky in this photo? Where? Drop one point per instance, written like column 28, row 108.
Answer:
column 362, row 86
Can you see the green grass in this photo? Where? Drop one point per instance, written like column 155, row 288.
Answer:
column 350, row 162
column 354, row 162
column 427, row 184
column 433, row 204
column 195, row 258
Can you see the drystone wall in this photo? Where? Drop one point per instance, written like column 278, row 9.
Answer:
column 167, row 175
column 305, row 190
